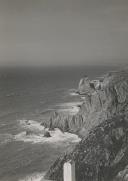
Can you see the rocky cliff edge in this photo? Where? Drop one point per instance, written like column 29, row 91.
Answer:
column 102, row 121
column 103, row 99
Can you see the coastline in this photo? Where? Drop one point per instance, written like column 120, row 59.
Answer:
column 103, row 120
column 65, row 102
column 57, row 136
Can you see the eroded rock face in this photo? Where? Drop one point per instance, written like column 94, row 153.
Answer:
column 102, row 121
column 100, row 156
column 102, row 101
column 85, row 86
column 110, row 100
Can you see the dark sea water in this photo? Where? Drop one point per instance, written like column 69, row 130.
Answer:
column 32, row 94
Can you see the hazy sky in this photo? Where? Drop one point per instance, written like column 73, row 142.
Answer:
column 63, row 32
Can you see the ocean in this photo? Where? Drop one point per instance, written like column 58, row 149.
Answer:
column 34, row 94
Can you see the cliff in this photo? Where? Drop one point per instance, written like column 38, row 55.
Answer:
column 102, row 121
column 107, row 99
column 100, row 156
column 102, row 100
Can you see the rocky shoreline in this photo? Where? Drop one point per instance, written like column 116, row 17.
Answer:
column 102, row 122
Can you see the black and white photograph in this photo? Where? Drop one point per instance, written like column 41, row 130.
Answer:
column 63, row 90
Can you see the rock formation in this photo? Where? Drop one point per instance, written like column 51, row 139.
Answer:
column 85, row 86
column 101, row 155
column 102, row 101
column 47, row 134
column 102, row 121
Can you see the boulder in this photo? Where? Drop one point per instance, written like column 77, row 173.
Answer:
column 47, row 134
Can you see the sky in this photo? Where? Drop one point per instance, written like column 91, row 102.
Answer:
column 63, row 32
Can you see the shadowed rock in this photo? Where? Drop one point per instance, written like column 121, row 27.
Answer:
column 47, row 134
column 99, row 104
column 100, row 156
column 29, row 132
column 102, row 121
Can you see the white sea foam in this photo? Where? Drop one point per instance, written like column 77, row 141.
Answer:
column 72, row 111
column 34, row 177
column 31, row 125
column 69, row 107
column 56, row 137
column 83, row 97
column 68, row 104
column 37, row 134
column 73, row 94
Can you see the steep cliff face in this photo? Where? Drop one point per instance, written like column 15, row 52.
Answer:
column 109, row 98
column 66, row 123
column 102, row 121
column 103, row 100
column 100, row 156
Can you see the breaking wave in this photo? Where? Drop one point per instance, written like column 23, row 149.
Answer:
column 36, row 134
column 56, row 136
column 31, row 125
column 71, row 108
column 34, row 177
column 33, row 132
